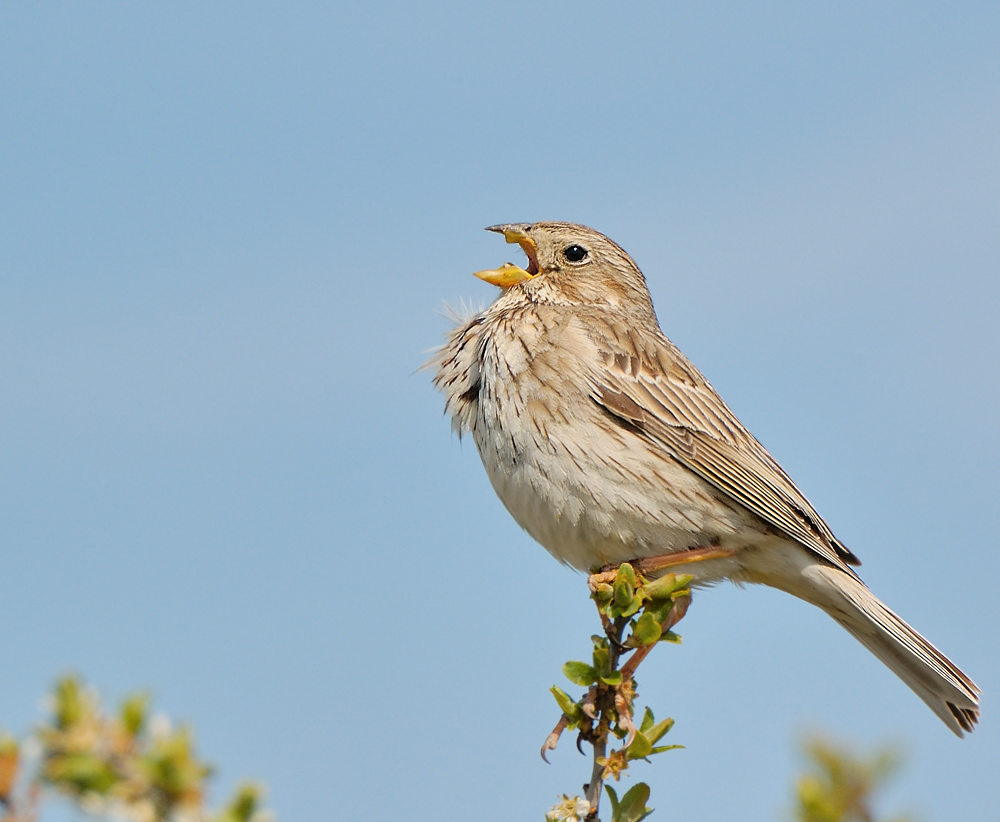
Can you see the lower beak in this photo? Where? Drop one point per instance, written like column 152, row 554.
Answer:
column 506, row 276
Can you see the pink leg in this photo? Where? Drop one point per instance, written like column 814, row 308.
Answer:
column 651, row 565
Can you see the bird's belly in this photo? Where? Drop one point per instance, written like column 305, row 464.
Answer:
column 605, row 499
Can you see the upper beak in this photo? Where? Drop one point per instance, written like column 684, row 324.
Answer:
column 509, row 274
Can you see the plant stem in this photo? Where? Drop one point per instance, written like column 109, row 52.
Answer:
column 676, row 615
column 600, row 741
column 596, row 779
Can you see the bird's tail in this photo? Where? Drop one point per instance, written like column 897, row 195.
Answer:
column 929, row 673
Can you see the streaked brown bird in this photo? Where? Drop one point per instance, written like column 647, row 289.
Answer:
column 606, row 444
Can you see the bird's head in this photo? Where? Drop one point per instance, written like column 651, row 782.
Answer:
column 569, row 264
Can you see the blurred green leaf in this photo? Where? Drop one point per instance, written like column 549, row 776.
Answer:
column 841, row 786
column 10, row 762
column 133, row 713
column 172, row 768
column 113, row 765
column 70, row 705
column 243, row 806
column 80, row 773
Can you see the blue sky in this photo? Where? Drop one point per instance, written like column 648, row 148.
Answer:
column 227, row 233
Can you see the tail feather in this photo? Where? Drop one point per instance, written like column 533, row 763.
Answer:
column 929, row 673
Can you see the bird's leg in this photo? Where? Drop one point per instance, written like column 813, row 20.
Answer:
column 651, row 565
column 609, row 627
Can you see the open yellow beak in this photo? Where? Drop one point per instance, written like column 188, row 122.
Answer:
column 508, row 274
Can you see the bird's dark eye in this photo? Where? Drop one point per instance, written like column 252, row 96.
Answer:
column 576, row 253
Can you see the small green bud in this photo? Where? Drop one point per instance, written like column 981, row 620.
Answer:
column 603, row 593
column 623, row 593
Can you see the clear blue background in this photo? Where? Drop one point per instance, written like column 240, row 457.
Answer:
column 227, row 232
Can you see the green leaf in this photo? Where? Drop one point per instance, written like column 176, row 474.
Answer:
column 613, row 798
column 659, row 609
column 662, row 748
column 632, row 806
column 612, row 678
column 640, row 748
column 572, row 711
column 656, row 732
column 663, row 587
column 668, row 586
column 670, row 636
column 633, row 606
column 602, row 660
column 579, row 673
column 647, row 630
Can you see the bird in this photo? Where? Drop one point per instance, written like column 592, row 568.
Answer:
column 607, row 445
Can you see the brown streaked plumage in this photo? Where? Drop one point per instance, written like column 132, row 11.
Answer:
column 606, row 444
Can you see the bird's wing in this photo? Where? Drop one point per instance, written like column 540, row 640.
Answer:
column 658, row 393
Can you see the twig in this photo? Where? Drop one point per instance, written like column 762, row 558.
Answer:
column 676, row 615
column 599, row 738
column 625, row 602
column 596, row 783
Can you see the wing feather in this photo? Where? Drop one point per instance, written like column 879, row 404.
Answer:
column 668, row 402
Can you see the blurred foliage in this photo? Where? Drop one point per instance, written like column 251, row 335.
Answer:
column 136, row 766
column 840, row 785
column 126, row 765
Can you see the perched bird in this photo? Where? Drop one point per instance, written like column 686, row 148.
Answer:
column 606, row 444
